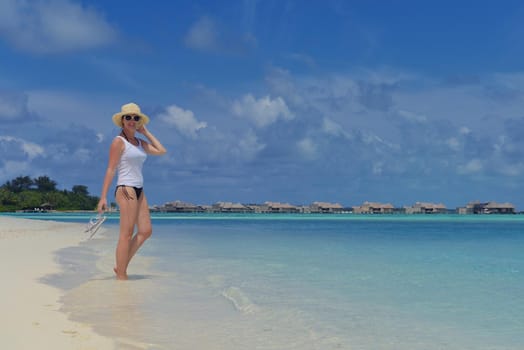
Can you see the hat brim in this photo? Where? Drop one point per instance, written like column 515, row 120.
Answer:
column 117, row 118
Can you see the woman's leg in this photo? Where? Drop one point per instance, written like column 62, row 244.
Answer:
column 128, row 205
column 144, row 226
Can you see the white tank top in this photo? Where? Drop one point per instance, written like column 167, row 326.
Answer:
column 130, row 165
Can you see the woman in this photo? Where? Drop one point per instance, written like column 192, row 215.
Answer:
column 127, row 155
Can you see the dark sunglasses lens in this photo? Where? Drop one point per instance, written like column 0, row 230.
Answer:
column 129, row 117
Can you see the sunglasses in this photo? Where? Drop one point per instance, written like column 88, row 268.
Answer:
column 129, row 117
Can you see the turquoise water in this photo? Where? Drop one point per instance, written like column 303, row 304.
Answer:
column 306, row 282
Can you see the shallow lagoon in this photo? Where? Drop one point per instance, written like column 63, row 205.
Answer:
column 263, row 281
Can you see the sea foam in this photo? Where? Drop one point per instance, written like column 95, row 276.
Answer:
column 240, row 300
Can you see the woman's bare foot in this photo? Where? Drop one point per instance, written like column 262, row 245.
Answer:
column 119, row 276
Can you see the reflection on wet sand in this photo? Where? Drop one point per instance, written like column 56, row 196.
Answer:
column 113, row 308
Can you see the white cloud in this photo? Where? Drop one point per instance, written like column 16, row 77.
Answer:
column 471, row 167
column 83, row 155
column 208, row 35
column 307, row 148
column 12, row 169
column 302, row 58
column 53, row 26
column 378, row 167
column 183, row 120
column 282, row 83
column 263, row 111
column 13, row 106
column 464, row 130
column 60, row 153
column 512, row 169
column 203, row 35
column 16, row 156
column 332, row 128
column 453, row 143
column 9, row 111
column 413, row 117
column 249, row 146
column 31, row 150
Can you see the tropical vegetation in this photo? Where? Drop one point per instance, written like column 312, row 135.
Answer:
column 25, row 193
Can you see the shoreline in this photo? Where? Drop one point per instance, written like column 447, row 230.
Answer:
column 31, row 309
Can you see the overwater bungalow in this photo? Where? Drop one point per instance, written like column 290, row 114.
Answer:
column 374, row 208
column 426, row 208
column 276, row 207
column 488, row 208
column 180, row 207
column 325, row 207
column 229, row 207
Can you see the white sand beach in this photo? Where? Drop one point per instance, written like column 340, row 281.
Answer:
column 31, row 317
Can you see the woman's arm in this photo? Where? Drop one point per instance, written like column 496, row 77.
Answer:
column 154, row 146
column 115, row 152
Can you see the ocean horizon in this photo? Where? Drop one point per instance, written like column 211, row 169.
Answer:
column 303, row 281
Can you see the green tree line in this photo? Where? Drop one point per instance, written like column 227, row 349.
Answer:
column 25, row 193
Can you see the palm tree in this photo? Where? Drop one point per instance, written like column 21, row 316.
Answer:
column 21, row 183
column 80, row 190
column 45, row 184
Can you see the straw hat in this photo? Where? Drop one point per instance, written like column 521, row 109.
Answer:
column 132, row 109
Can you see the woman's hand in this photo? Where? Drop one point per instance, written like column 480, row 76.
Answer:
column 102, row 205
column 154, row 146
column 142, row 129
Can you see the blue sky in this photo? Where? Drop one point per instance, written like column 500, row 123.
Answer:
column 291, row 101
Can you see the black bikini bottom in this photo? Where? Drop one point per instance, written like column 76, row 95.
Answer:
column 138, row 191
